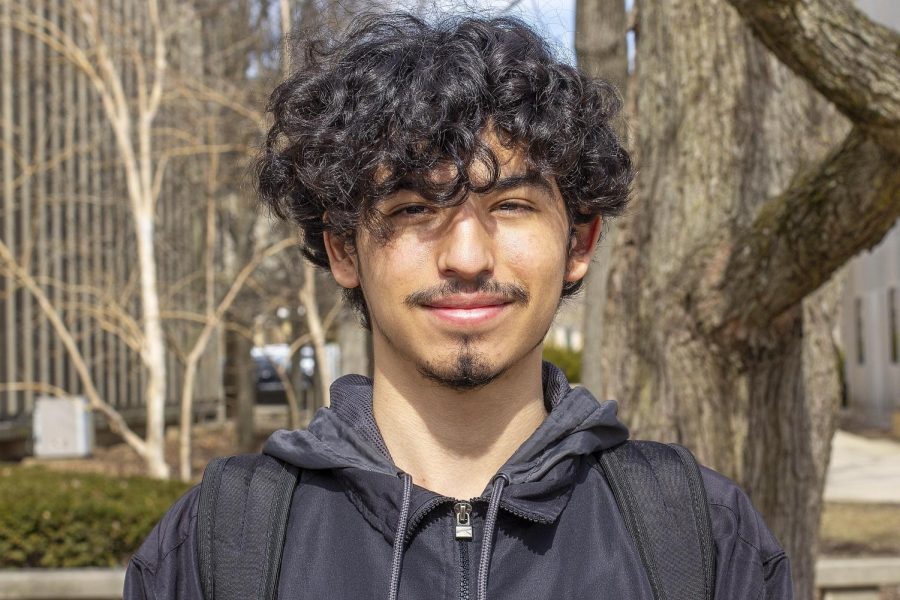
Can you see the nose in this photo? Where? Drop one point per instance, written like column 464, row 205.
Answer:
column 466, row 249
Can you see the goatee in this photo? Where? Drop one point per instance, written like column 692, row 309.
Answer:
column 469, row 370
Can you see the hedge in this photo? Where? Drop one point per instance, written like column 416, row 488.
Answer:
column 54, row 519
column 569, row 361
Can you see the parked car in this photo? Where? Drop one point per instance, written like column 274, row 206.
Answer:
column 270, row 357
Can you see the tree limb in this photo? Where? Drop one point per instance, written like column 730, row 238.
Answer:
column 201, row 92
column 801, row 237
column 116, row 422
column 849, row 58
column 213, row 318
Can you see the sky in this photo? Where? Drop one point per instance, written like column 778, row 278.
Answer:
column 554, row 19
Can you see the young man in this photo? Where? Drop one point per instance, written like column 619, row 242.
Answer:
column 453, row 178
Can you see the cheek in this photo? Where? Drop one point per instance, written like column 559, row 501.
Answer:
column 394, row 269
column 536, row 258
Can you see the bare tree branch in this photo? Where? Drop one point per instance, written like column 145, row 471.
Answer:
column 131, row 119
column 801, row 237
column 512, row 4
column 101, row 317
column 46, row 388
column 116, row 423
column 129, row 327
column 833, row 210
column 159, row 61
column 201, row 319
column 849, row 58
column 306, row 338
column 30, row 170
column 200, row 91
column 213, row 318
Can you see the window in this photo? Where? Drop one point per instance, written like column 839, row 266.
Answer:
column 860, row 342
column 893, row 327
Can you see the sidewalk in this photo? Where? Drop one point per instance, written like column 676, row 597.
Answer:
column 863, row 470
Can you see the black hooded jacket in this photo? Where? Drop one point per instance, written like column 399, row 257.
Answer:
column 553, row 530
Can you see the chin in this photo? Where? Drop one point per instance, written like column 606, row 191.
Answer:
column 459, row 380
column 467, row 370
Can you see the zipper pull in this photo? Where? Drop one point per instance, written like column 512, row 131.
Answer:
column 463, row 512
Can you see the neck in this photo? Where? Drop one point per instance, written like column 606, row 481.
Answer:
column 453, row 442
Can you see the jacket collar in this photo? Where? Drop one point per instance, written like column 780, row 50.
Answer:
column 542, row 472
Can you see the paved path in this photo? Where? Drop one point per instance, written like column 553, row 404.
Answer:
column 863, row 470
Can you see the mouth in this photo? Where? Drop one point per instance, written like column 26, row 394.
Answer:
column 467, row 312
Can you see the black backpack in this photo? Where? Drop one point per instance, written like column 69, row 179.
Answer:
column 245, row 500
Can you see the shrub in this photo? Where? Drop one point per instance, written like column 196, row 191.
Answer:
column 567, row 360
column 53, row 519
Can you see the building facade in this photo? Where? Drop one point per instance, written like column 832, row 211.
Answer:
column 65, row 217
column 870, row 334
column 871, row 308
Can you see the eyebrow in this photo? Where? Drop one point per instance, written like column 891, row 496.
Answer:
column 530, row 178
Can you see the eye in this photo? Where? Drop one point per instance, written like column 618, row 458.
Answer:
column 515, row 207
column 411, row 210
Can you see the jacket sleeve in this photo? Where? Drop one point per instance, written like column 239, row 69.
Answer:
column 778, row 579
column 750, row 563
column 165, row 566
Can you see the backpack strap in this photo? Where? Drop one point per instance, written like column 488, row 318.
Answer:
column 244, row 504
column 660, row 492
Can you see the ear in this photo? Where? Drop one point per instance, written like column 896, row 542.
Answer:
column 582, row 248
column 341, row 260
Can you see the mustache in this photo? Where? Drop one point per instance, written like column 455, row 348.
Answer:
column 511, row 292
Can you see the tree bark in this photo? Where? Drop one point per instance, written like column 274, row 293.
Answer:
column 600, row 28
column 800, row 237
column 849, row 58
column 212, row 320
column 296, row 392
column 154, row 348
column 354, row 342
column 309, row 300
column 794, row 393
column 725, row 134
column 245, row 380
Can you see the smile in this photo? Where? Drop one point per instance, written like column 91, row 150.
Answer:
column 467, row 312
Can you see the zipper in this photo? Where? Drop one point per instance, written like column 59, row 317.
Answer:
column 423, row 511
column 463, row 546
column 462, row 531
column 463, row 521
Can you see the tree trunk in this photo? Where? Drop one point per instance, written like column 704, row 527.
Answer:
column 721, row 127
column 186, row 419
column 297, row 395
column 600, row 46
column 309, row 300
column 354, row 342
column 794, row 393
column 245, row 386
column 154, row 348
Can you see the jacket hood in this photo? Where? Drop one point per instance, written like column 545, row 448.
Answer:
column 540, row 475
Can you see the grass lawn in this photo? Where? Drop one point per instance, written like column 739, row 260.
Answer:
column 860, row 529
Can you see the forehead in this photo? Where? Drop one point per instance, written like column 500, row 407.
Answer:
column 500, row 167
column 511, row 160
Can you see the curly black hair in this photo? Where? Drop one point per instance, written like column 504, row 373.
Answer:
column 377, row 109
